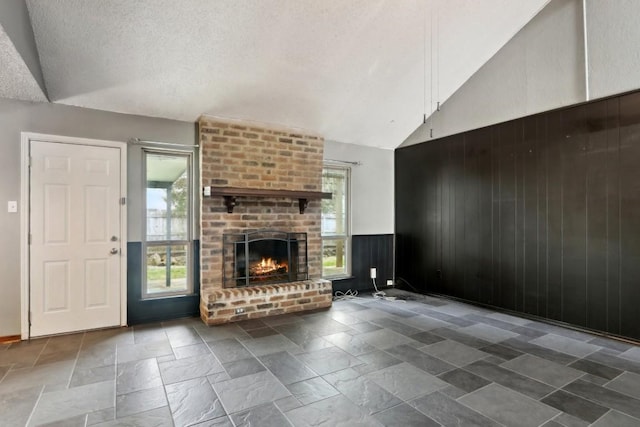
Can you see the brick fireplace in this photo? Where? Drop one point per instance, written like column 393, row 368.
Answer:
column 276, row 172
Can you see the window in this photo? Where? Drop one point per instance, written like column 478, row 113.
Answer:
column 335, row 222
column 168, row 224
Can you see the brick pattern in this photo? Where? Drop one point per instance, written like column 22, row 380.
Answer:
column 263, row 301
column 237, row 154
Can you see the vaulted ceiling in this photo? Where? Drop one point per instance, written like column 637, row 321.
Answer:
column 356, row 71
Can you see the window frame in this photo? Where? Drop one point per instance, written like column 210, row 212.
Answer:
column 189, row 242
column 346, row 236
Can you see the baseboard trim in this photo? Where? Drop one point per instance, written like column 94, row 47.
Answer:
column 10, row 339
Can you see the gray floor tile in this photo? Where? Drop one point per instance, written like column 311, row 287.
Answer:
column 460, row 337
column 16, row 405
column 567, row 420
column 312, row 390
column 611, row 344
column 575, row 405
column 363, row 392
column 358, row 328
column 271, row 344
column 508, row 319
column 191, row 350
column 287, row 368
column 425, row 323
column 464, row 380
column 23, row 354
column 543, row 370
column 251, row 390
column 406, row 381
column 610, row 358
column 229, row 350
column 59, row 405
column 536, row 350
column 328, row 360
column 509, row 379
column 426, row 337
column 77, row 421
column 508, row 408
column 595, row 368
column 334, row 411
column 384, row 338
column 352, row 344
column 102, row 416
column 288, row 403
column 448, row 412
column 627, row 383
column 405, row 416
column 501, row 351
column 220, row 332
column 137, row 375
column 420, row 359
column 140, row 401
column 615, row 418
column 393, row 325
column 83, row 376
column 183, row 336
column 188, row 368
column 193, row 401
column 48, row 375
column 605, row 397
column 145, row 350
column 243, row 367
column 108, row 337
column 454, row 352
column 566, row 345
column 96, row 355
column 632, row 354
column 376, row 360
column 160, row 417
column 151, row 332
column 488, row 333
column 267, row 415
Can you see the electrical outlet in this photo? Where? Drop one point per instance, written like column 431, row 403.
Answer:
column 373, row 273
column 389, row 282
column 239, row 310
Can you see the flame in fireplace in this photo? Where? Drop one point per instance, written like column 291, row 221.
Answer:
column 268, row 266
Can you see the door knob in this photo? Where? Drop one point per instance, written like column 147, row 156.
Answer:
column 114, row 239
column 114, row 251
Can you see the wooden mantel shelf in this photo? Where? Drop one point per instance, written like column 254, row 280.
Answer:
column 230, row 194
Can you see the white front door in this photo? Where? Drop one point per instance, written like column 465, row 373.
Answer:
column 75, row 251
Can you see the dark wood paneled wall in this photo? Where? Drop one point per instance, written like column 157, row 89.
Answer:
column 539, row 215
column 368, row 251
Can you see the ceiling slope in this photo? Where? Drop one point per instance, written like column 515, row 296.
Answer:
column 16, row 80
column 357, row 71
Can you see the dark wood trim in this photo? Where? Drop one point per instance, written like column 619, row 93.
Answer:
column 10, row 339
column 230, row 194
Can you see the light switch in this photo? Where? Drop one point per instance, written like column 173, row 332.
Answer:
column 12, row 206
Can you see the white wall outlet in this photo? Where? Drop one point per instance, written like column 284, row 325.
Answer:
column 389, row 282
column 239, row 310
column 12, row 206
column 373, row 273
column 207, row 191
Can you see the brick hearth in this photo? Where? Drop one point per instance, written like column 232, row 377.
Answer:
column 243, row 155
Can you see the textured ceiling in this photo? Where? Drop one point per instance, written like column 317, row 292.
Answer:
column 356, row 71
column 16, row 81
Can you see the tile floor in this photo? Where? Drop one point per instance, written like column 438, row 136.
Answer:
column 364, row 362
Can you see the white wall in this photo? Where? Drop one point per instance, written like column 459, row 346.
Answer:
column 613, row 40
column 372, row 195
column 20, row 116
column 540, row 68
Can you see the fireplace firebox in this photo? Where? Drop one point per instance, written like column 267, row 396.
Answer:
column 264, row 257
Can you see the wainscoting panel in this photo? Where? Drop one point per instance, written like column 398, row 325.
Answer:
column 368, row 251
column 539, row 215
column 155, row 310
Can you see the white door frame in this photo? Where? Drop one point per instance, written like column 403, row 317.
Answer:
column 25, row 190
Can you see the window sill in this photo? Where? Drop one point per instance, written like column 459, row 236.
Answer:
column 336, row 278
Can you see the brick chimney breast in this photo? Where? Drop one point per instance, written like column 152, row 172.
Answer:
column 246, row 155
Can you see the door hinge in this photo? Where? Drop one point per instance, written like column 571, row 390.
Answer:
column 30, row 160
column 123, row 201
column 29, row 318
column 29, row 238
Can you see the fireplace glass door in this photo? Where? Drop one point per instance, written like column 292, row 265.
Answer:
column 264, row 257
